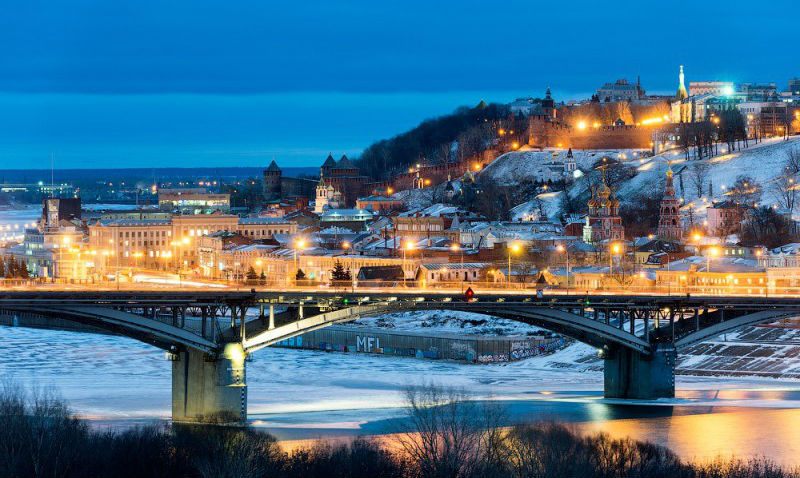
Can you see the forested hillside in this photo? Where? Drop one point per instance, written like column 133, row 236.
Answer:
column 451, row 137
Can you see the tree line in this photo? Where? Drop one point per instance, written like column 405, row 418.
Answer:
column 11, row 268
column 454, row 137
column 444, row 434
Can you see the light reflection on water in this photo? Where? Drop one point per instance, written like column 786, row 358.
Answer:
column 694, row 432
column 774, row 433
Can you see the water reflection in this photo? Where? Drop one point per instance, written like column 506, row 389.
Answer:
column 692, row 431
column 774, row 433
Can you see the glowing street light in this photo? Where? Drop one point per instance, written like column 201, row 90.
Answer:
column 614, row 249
column 712, row 252
column 563, row 250
column 408, row 246
column 515, row 248
column 298, row 244
column 455, row 247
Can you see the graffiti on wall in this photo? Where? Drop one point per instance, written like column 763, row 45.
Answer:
column 367, row 344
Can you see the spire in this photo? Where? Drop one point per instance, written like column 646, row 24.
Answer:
column 682, row 94
column 669, row 189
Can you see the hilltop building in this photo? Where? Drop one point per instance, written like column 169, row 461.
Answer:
column 621, row 90
column 341, row 175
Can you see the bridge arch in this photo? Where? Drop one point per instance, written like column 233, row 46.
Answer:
column 583, row 329
column 730, row 325
column 144, row 329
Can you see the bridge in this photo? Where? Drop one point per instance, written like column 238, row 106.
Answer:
column 209, row 334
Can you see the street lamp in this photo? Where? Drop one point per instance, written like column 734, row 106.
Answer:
column 298, row 244
column 346, row 246
column 614, row 249
column 514, row 247
column 260, row 265
column 409, row 246
column 713, row 251
column 457, row 248
column 563, row 250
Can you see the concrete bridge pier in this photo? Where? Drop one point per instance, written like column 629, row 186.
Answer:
column 631, row 374
column 210, row 389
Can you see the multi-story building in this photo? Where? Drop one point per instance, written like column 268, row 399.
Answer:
column 722, row 215
column 697, row 88
column 766, row 118
column 794, row 87
column 161, row 244
column 193, row 201
column 621, row 90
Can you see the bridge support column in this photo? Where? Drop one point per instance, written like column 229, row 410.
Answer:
column 630, row 374
column 209, row 389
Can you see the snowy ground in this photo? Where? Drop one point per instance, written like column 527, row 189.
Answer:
column 763, row 162
column 301, row 394
column 517, row 166
column 111, row 376
column 450, row 322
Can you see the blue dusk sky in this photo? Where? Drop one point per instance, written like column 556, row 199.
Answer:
column 236, row 83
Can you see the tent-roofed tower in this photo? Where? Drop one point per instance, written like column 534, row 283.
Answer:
column 670, row 222
column 327, row 166
column 272, row 182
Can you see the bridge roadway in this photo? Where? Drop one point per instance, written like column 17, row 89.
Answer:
column 209, row 334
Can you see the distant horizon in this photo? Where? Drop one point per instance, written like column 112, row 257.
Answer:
column 107, row 85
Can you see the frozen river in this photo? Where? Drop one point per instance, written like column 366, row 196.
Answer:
column 298, row 394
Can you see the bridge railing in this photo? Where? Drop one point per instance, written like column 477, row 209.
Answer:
column 727, row 286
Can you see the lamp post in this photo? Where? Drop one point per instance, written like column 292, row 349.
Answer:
column 612, row 250
column 407, row 247
column 457, row 248
column 260, row 265
column 514, row 247
column 346, row 247
column 298, row 244
column 564, row 250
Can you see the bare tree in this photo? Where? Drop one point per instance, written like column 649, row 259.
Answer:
column 745, row 191
column 698, row 175
column 447, row 434
column 792, row 164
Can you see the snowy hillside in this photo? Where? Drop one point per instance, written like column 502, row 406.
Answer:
column 533, row 165
column 763, row 162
